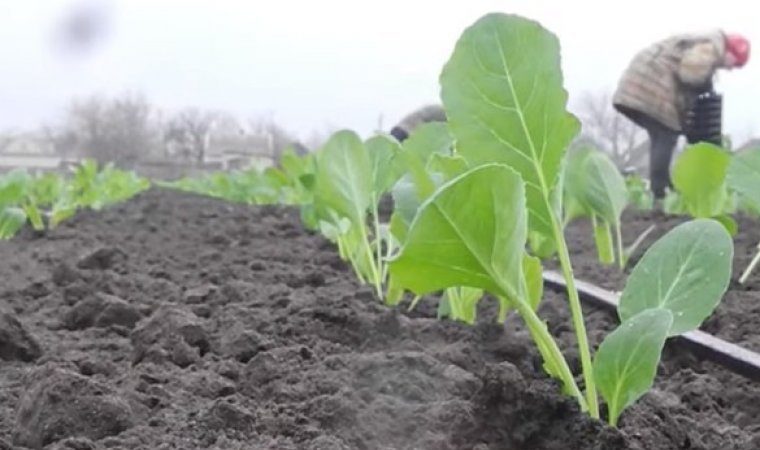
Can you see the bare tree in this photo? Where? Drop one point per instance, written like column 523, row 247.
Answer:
column 607, row 129
column 64, row 141
column 118, row 130
column 188, row 133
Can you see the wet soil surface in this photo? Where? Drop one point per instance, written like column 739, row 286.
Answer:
column 180, row 322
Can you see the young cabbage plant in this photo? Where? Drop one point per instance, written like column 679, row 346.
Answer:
column 27, row 198
column 348, row 185
column 595, row 188
column 699, row 176
column 46, row 200
column 676, row 285
column 95, row 187
column 744, row 179
column 459, row 239
column 639, row 194
column 505, row 102
column 18, row 203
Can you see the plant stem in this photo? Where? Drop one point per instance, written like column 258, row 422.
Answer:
column 373, row 266
column 545, row 340
column 378, row 259
column 415, row 300
column 605, row 247
column 577, row 316
column 751, row 266
column 342, row 252
column 619, row 238
column 368, row 253
column 451, row 295
column 388, row 252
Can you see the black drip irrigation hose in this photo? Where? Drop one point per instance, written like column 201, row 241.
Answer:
column 731, row 356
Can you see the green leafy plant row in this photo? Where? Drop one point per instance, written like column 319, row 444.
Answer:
column 46, row 200
column 290, row 183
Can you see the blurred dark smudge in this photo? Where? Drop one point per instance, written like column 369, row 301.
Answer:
column 83, row 26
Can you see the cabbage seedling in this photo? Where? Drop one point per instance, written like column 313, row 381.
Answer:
column 744, row 178
column 505, row 103
column 699, row 176
column 502, row 90
column 460, row 239
column 348, row 184
column 594, row 186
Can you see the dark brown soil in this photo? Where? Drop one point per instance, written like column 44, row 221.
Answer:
column 180, row 322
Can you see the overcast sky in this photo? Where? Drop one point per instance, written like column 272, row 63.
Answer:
column 327, row 63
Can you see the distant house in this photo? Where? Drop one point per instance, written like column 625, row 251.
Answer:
column 29, row 144
column 239, row 151
column 32, row 163
column 31, row 152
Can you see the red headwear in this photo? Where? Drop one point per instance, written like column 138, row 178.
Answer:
column 739, row 47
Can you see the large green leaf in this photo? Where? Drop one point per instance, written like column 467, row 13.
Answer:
column 385, row 169
column 686, row 272
column 604, row 190
column 699, row 175
column 744, row 175
column 344, row 177
column 504, row 99
column 626, row 363
column 471, row 232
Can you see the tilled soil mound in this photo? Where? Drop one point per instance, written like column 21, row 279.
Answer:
column 180, row 322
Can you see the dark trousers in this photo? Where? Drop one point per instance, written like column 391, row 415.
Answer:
column 662, row 142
